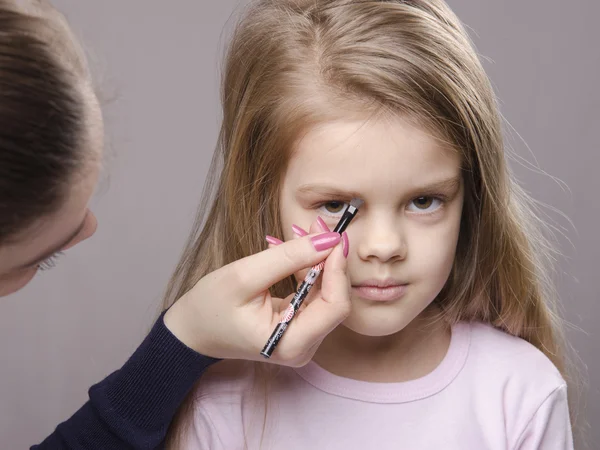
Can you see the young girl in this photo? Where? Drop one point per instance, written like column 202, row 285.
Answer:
column 451, row 341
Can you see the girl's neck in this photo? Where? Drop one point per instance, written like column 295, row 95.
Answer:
column 407, row 355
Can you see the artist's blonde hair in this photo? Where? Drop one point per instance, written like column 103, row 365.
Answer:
column 295, row 63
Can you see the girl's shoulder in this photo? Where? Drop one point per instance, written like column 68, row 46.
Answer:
column 223, row 406
column 233, row 382
column 509, row 379
column 506, row 357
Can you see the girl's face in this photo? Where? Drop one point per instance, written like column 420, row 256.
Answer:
column 403, row 241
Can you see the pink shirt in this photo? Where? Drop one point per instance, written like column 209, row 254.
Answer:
column 492, row 391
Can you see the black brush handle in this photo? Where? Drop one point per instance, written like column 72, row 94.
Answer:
column 295, row 304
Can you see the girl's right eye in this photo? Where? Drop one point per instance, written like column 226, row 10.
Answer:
column 333, row 208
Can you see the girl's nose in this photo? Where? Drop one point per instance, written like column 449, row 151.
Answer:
column 382, row 239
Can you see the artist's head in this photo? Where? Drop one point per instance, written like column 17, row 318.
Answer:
column 51, row 141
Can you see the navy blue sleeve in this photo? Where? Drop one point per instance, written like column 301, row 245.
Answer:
column 133, row 407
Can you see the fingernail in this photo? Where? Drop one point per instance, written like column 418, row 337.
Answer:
column 325, row 241
column 345, row 244
column 322, row 224
column 273, row 240
column 299, row 231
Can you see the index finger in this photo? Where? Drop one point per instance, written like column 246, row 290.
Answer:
column 258, row 272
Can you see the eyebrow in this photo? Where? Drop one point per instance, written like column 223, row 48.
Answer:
column 56, row 248
column 326, row 191
column 448, row 185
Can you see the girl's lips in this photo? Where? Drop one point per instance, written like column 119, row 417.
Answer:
column 380, row 293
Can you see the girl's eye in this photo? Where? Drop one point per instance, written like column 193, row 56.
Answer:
column 50, row 262
column 334, row 208
column 425, row 204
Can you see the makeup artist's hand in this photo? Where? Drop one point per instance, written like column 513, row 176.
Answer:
column 230, row 313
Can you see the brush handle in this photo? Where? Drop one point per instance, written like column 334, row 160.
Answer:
column 291, row 311
column 301, row 293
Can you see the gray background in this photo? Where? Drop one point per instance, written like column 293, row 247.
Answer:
column 157, row 63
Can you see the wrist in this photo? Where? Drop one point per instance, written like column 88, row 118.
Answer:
column 182, row 324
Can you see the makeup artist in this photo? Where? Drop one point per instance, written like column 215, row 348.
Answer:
column 51, row 143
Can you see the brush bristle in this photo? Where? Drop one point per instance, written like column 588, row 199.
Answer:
column 356, row 202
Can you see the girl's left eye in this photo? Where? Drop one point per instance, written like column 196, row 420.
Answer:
column 425, row 204
column 333, row 208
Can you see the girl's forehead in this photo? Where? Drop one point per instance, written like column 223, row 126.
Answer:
column 370, row 151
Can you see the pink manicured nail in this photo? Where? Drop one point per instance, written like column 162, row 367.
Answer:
column 325, row 241
column 273, row 240
column 322, row 224
column 345, row 244
column 299, row 231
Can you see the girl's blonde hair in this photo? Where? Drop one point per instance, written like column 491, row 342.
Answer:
column 295, row 63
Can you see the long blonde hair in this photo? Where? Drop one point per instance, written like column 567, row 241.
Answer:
column 292, row 64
